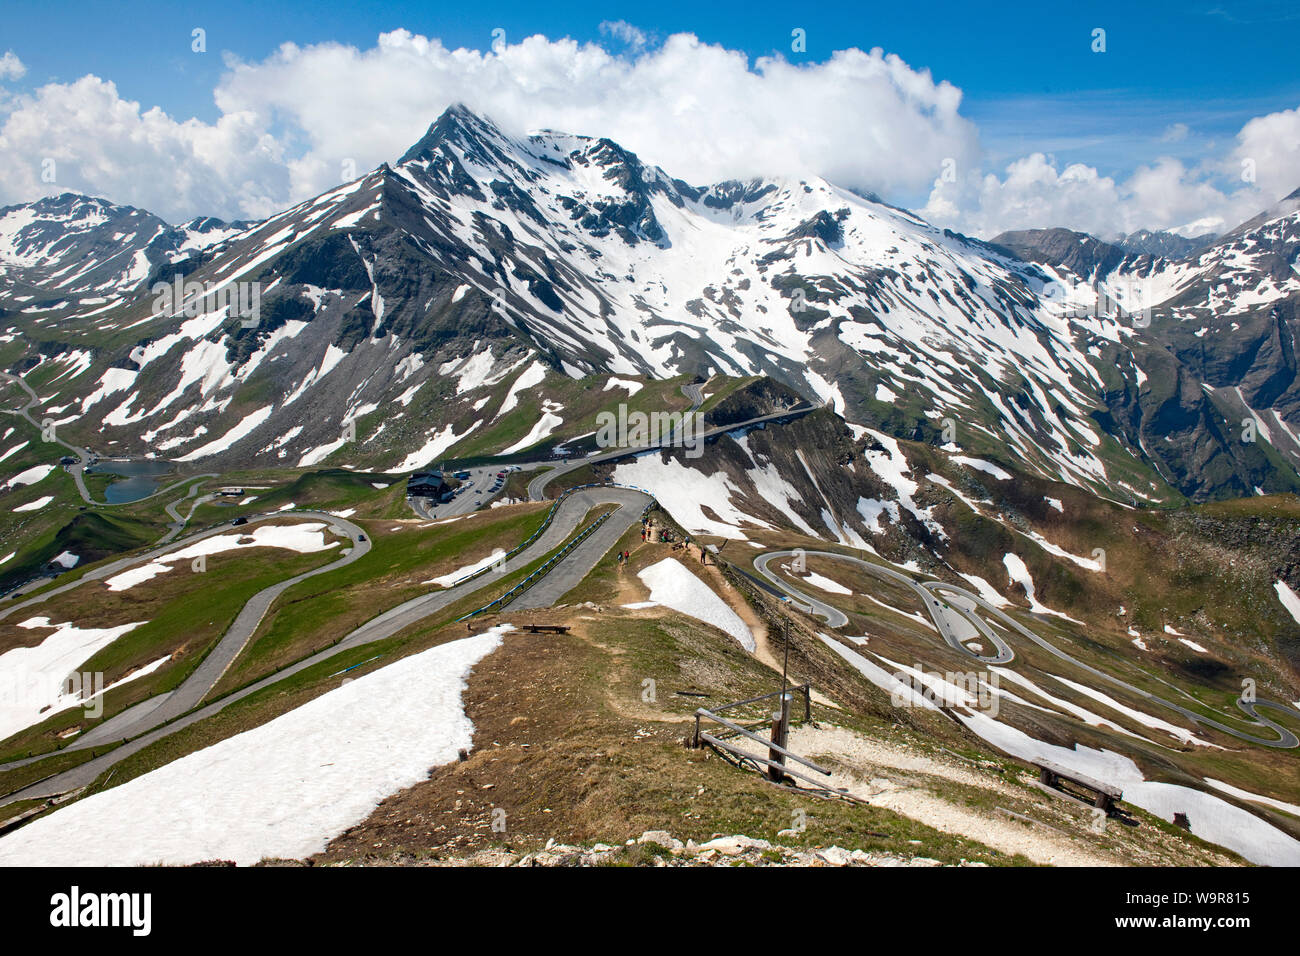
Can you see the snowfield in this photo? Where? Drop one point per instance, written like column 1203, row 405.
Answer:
column 1228, row 788
column 1181, row 734
column 28, row 477
column 542, row 429
column 284, row 789
column 672, row 585
column 985, row 590
column 13, row 451
column 533, row 375
column 1019, row 574
column 824, row 583
column 438, row 442
column 246, row 426
column 1211, row 818
column 882, row 678
column 683, row 490
column 32, row 678
column 305, row 538
column 1290, row 600
column 36, row 505
column 632, row 387
column 985, row 466
column 447, row 580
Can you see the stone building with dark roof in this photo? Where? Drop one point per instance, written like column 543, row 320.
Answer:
column 427, row 484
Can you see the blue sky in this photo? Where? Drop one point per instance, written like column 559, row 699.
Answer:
column 1177, row 79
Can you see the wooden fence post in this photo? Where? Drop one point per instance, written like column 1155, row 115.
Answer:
column 780, row 737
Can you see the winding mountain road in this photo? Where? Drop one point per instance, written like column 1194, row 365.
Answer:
column 153, row 719
column 537, row 487
column 694, row 392
column 156, row 710
column 178, row 523
column 939, row 611
column 150, row 713
column 83, row 454
column 178, row 709
column 575, row 566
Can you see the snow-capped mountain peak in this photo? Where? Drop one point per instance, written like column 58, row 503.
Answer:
column 477, row 248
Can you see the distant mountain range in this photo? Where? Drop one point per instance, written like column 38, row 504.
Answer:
column 1168, row 245
column 75, row 245
column 483, row 270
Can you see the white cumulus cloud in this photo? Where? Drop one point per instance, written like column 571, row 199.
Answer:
column 104, row 145
column 1262, row 166
column 702, row 112
column 622, row 30
column 292, row 124
column 1269, row 148
column 307, row 117
column 11, row 68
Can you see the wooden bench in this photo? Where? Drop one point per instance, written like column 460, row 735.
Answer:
column 1050, row 774
column 547, row 628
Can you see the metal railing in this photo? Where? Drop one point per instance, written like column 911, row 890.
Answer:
column 539, row 573
column 550, row 516
column 533, row 578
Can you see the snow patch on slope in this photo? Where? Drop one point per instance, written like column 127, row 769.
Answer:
column 284, row 789
column 672, row 585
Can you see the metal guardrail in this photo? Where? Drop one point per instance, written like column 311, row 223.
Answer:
column 532, row 579
column 550, row 515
